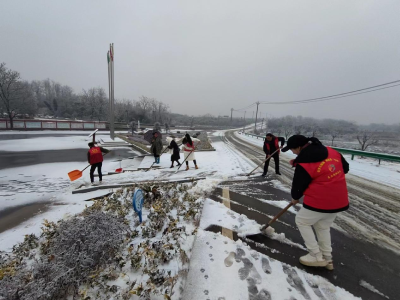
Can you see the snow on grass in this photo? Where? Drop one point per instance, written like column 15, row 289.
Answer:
column 387, row 173
column 152, row 261
column 368, row 286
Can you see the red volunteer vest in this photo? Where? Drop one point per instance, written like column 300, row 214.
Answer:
column 327, row 190
column 276, row 145
column 188, row 147
column 95, row 155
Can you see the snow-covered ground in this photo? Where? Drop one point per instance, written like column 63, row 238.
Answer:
column 219, row 267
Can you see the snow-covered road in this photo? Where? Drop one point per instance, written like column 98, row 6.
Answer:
column 374, row 213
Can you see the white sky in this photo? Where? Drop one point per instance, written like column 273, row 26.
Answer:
column 208, row 56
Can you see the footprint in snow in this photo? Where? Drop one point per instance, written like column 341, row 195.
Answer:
column 295, row 281
column 262, row 295
column 228, row 261
column 315, row 288
column 265, row 265
column 252, row 287
column 240, row 253
column 244, row 271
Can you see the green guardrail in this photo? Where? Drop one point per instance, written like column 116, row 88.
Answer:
column 353, row 152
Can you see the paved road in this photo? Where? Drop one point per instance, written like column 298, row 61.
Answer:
column 374, row 213
column 354, row 259
column 365, row 241
column 10, row 159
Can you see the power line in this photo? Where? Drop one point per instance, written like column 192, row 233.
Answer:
column 331, row 98
column 244, row 108
column 336, row 96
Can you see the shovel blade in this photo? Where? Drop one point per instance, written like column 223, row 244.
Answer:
column 74, row 175
column 119, row 170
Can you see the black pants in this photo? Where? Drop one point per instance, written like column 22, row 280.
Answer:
column 276, row 161
column 194, row 161
column 92, row 168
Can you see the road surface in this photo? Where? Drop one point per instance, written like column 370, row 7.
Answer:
column 365, row 238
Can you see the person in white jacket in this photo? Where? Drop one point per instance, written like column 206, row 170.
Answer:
column 188, row 150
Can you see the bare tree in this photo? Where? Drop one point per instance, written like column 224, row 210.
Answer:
column 13, row 93
column 366, row 139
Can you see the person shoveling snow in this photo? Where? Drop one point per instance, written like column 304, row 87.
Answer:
column 188, row 150
column 320, row 176
column 95, row 159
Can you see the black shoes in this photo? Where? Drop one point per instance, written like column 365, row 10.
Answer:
column 278, row 173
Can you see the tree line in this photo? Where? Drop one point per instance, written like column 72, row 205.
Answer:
column 366, row 135
column 23, row 99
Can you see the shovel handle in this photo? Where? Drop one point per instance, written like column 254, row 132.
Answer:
column 264, row 161
column 277, row 216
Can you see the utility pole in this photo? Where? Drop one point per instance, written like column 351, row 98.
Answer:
column 231, row 115
column 255, row 124
column 110, row 60
column 244, row 124
column 262, row 123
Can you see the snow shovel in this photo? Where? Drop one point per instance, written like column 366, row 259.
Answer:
column 263, row 162
column 119, row 170
column 264, row 227
column 186, row 158
column 76, row 174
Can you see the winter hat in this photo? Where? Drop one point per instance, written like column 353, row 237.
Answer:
column 295, row 141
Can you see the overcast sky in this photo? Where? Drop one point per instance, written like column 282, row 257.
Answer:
column 210, row 56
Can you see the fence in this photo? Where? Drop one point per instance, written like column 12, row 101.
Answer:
column 353, row 152
column 51, row 124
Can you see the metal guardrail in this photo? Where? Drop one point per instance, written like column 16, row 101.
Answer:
column 353, row 152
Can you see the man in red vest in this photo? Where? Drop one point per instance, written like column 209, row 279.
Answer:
column 271, row 144
column 95, row 159
column 319, row 176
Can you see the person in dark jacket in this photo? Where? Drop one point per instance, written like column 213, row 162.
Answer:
column 319, row 176
column 156, row 147
column 271, row 144
column 175, row 152
column 95, row 159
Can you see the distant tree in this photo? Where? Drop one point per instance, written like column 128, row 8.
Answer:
column 15, row 95
column 334, row 134
column 366, row 139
